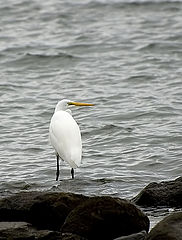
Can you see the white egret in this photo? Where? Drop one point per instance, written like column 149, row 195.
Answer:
column 65, row 135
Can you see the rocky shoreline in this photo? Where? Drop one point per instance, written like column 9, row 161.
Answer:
column 69, row 216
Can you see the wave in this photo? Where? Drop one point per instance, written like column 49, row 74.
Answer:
column 40, row 58
column 52, row 56
column 118, row 3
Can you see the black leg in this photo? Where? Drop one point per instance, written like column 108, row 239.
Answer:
column 57, row 172
column 72, row 173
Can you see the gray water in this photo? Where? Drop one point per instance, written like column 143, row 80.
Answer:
column 123, row 56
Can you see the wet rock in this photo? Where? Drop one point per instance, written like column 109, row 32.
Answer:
column 24, row 231
column 17, row 207
column 136, row 236
column 105, row 218
column 51, row 210
column 170, row 228
column 161, row 194
column 79, row 217
column 71, row 236
column 43, row 210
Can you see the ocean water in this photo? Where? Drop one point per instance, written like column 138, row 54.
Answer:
column 123, row 56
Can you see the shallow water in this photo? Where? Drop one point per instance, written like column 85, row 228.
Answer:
column 123, row 56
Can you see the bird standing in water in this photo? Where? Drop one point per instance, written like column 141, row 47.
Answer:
column 65, row 135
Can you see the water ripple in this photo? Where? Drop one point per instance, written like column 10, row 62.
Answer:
column 123, row 56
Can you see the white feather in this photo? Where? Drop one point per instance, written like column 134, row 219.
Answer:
column 65, row 137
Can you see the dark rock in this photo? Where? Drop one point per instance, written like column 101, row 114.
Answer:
column 17, row 207
column 161, row 194
column 43, row 210
column 24, row 231
column 170, row 228
column 105, row 218
column 71, row 236
column 51, row 210
column 136, row 236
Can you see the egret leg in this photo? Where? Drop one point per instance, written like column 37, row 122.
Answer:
column 72, row 173
column 57, row 172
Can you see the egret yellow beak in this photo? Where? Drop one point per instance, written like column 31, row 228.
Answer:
column 80, row 104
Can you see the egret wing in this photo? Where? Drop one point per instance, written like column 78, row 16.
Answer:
column 66, row 138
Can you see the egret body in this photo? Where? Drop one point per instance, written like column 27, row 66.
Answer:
column 65, row 135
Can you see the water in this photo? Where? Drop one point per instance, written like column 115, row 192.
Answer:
column 123, row 56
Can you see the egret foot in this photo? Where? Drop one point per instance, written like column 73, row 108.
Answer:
column 57, row 172
column 72, row 173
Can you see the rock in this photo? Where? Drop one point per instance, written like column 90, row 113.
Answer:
column 17, row 207
column 79, row 217
column 70, row 236
column 51, row 210
column 161, row 194
column 105, row 218
column 43, row 210
column 170, row 228
column 24, row 231
column 136, row 236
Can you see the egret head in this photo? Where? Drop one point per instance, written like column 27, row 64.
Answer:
column 64, row 104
